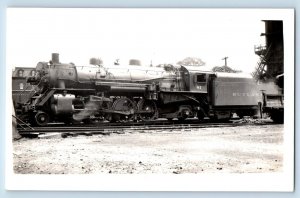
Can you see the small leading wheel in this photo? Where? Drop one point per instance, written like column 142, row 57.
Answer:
column 41, row 118
column 148, row 110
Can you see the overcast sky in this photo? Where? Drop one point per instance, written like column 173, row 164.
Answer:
column 157, row 35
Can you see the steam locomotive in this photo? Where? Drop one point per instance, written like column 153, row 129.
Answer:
column 67, row 93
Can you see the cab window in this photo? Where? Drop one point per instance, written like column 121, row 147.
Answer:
column 200, row 78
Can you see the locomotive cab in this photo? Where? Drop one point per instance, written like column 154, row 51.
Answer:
column 195, row 80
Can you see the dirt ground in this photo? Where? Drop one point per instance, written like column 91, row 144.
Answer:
column 241, row 149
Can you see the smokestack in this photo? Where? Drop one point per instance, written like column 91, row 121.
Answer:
column 55, row 58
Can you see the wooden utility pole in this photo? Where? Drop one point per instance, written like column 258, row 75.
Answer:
column 225, row 58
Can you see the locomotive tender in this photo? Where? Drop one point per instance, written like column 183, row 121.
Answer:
column 65, row 92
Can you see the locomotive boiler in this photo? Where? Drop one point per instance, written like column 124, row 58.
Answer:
column 68, row 93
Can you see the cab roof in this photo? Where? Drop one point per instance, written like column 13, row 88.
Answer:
column 197, row 69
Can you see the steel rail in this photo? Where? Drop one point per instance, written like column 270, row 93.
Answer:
column 119, row 129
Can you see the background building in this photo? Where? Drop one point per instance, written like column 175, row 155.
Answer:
column 20, row 88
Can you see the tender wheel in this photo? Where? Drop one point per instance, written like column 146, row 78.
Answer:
column 148, row 110
column 200, row 115
column 241, row 114
column 126, row 107
column 41, row 118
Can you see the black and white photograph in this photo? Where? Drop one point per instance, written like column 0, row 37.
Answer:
column 150, row 99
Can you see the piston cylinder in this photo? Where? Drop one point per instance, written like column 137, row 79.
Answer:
column 63, row 104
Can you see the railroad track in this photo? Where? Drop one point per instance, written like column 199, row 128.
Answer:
column 108, row 128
